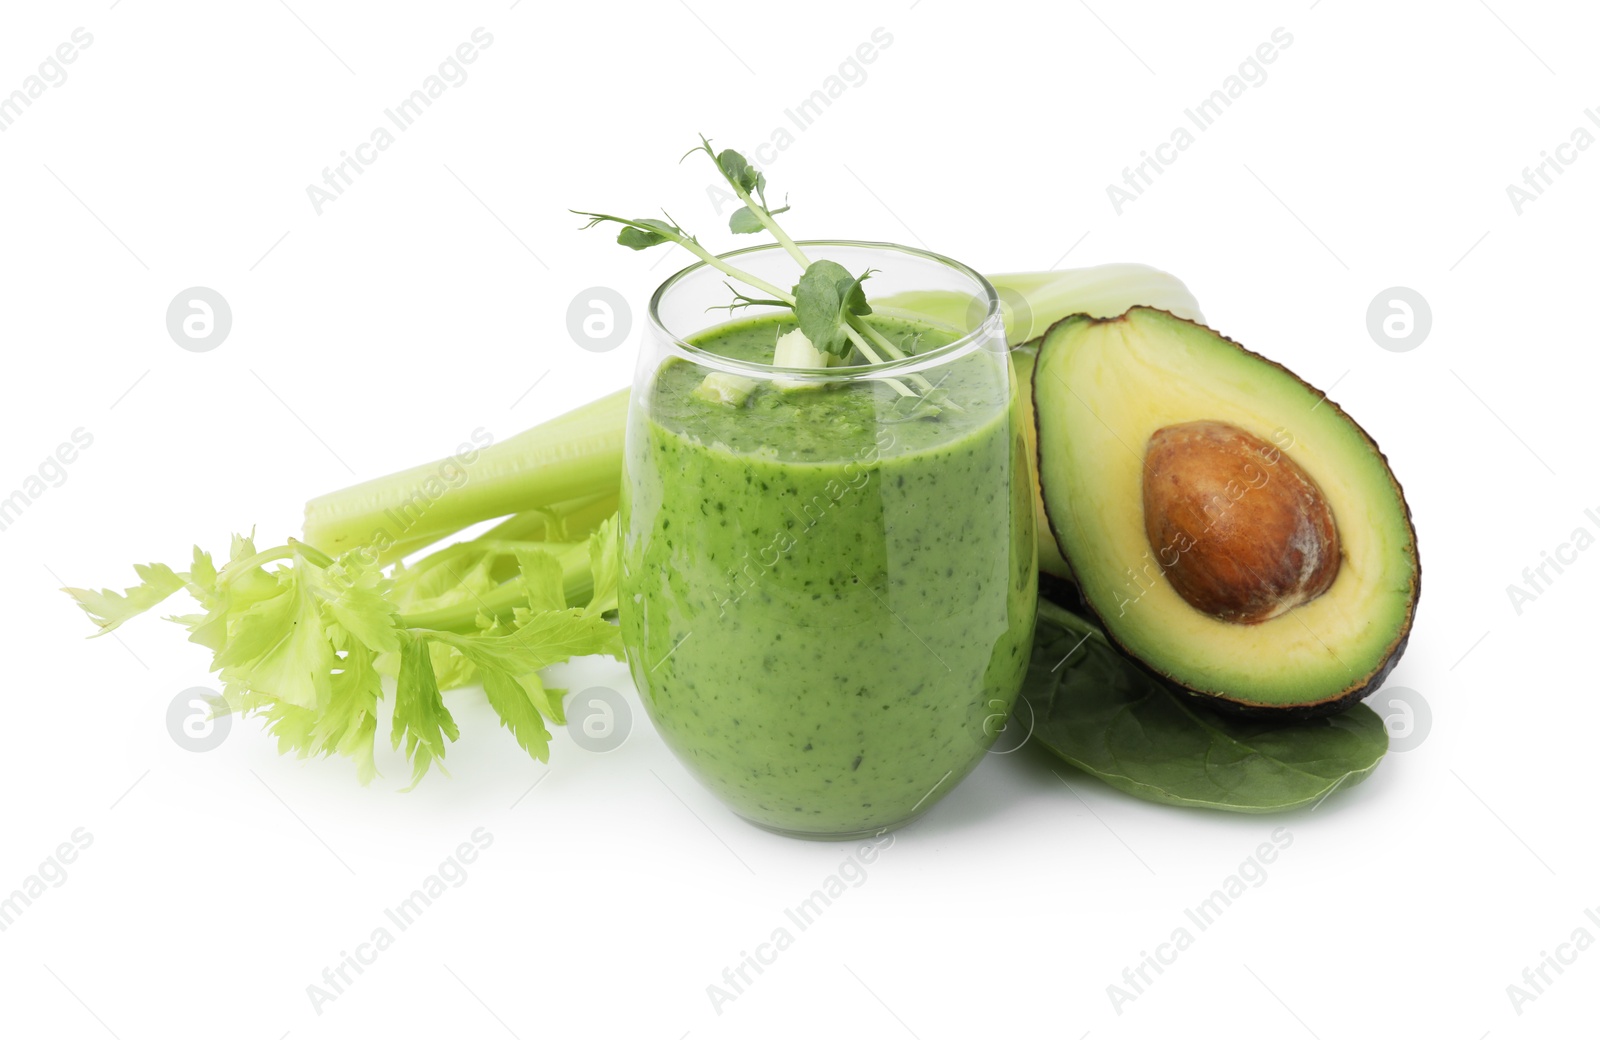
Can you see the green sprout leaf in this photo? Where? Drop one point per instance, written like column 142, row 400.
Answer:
column 641, row 233
column 738, row 170
column 734, row 167
column 749, row 182
column 745, row 222
column 825, row 298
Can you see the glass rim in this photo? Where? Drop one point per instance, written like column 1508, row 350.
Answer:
column 887, row 368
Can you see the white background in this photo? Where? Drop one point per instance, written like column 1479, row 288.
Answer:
column 427, row 301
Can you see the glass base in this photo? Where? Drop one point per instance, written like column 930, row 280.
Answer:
column 856, row 835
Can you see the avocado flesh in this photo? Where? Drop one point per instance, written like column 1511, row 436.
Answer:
column 1102, row 388
column 1023, row 357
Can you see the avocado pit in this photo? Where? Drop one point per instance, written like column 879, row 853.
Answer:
column 1241, row 532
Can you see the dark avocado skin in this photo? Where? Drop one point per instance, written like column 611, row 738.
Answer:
column 1219, row 699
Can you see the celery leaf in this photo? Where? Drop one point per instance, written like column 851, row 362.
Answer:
column 304, row 641
column 420, row 717
column 109, row 609
column 605, row 562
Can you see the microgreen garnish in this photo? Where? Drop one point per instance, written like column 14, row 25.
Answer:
column 742, row 300
column 743, row 222
column 826, row 297
column 828, row 301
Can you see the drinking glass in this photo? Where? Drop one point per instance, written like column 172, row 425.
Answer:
column 828, row 574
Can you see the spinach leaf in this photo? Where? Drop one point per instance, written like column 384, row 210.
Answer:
column 1100, row 712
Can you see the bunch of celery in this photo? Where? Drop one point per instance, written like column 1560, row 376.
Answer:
column 303, row 635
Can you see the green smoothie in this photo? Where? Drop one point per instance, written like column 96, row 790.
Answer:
column 828, row 596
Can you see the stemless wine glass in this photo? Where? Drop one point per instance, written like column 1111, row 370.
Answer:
column 828, row 574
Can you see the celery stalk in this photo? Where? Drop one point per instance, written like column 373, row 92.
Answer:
column 562, row 522
column 501, row 603
column 575, row 456
column 566, row 522
column 1033, row 301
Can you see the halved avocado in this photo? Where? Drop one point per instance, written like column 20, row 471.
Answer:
column 1236, row 532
